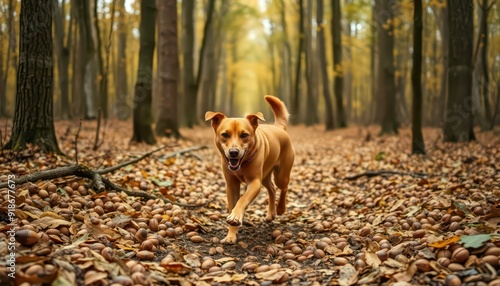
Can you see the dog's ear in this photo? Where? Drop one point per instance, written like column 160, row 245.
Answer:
column 216, row 118
column 254, row 119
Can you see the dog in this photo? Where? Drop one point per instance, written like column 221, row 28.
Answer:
column 251, row 154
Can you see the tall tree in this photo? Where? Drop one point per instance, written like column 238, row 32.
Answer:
column 3, row 88
column 63, row 54
column 167, row 123
column 121, row 109
column 143, row 131
column 483, row 37
column 102, row 77
column 205, row 45
column 386, row 81
column 337, row 61
column 311, row 115
column 418, row 146
column 459, row 125
column 323, row 62
column 300, row 49
column 286, row 74
column 188, row 45
column 33, row 118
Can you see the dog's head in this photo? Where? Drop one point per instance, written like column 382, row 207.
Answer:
column 234, row 136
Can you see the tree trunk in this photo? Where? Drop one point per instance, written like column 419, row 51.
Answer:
column 418, row 146
column 337, row 61
column 11, row 46
column 296, row 95
column 33, row 118
column 143, row 131
column 167, row 123
column 3, row 88
column 286, row 74
column 121, row 108
column 102, row 81
column 311, row 106
column 201, row 99
column 387, row 86
column 484, row 60
column 459, row 118
column 189, row 83
column 63, row 56
column 323, row 62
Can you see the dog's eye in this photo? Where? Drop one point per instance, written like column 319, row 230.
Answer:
column 225, row 135
column 244, row 135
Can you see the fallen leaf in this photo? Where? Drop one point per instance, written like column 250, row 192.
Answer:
column 348, row 275
column 372, row 259
column 50, row 222
column 446, row 242
column 474, row 241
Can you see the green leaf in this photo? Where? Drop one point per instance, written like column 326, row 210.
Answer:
column 159, row 183
column 62, row 191
column 380, row 156
column 474, row 241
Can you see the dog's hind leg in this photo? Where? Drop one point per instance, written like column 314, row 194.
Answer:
column 271, row 190
column 282, row 178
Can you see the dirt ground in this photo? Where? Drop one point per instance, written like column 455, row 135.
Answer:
column 425, row 220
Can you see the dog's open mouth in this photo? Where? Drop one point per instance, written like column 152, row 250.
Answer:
column 234, row 164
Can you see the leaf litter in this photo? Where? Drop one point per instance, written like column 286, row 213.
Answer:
column 393, row 228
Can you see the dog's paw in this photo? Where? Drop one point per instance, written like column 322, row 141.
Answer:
column 230, row 239
column 234, row 220
column 281, row 208
column 271, row 215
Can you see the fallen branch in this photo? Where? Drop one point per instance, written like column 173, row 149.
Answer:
column 370, row 174
column 119, row 166
column 100, row 183
column 182, row 152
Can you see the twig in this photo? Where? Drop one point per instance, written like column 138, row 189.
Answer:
column 119, row 166
column 96, row 141
column 76, row 141
column 386, row 172
column 182, row 152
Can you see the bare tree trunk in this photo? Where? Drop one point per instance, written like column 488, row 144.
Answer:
column 3, row 96
column 459, row 114
column 418, row 145
column 485, row 8
column 33, row 118
column 286, row 74
column 323, row 62
column 311, row 106
column 11, row 46
column 189, row 83
column 201, row 102
column 296, row 96
column 102, row 81
column 337, row 61
column 387, row 88
column 167, row 123
column 63, row 56
column 143, row 131
column 121, row 109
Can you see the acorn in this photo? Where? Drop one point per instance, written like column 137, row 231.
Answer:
column 27, row 237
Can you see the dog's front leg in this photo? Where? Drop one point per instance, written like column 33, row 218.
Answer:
column 236, row 216
column 233, row 194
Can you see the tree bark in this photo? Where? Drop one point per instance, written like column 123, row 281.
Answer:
column 143, row 131
column 167, row 123
column 63, row 56
column 459, row 113
column 323, row 62
column 286, row 74
column 337, row 61
column 202, row 100
column 484, row 60
column 387, row 86
column 296, row 95
column 33, row 115
column 311, row 106
column 121, row 108
column 418, row 146
column 3, row 88
column 189, row 80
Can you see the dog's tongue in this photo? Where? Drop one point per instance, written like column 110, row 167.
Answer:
column 233, row 162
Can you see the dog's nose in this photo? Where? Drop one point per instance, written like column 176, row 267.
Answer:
column 233, row 153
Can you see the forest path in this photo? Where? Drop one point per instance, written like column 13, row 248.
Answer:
column 381, row 225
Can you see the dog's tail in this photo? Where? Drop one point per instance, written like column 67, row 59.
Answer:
column 279, row 109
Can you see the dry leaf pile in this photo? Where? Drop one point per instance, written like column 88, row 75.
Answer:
column 429, row 220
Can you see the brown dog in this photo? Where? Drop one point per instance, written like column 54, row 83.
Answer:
column 251, row 153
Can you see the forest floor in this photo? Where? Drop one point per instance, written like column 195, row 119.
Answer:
column 432, row 221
